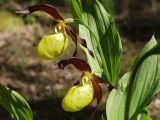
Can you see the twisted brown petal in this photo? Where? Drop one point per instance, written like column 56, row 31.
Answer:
column 97, row 89
column 98, row 79
column 78, row 63
column 43, row 7
column 72, row 33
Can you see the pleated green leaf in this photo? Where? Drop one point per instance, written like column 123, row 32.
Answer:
column 91, row 43
column 115, row 107
column 98, row 28
column 15, row 104
column 109, row 40
column 104, row 38
column 143, row 84
column 145, row 79
column 75, row 9
column 109, row 5
column 101, row 37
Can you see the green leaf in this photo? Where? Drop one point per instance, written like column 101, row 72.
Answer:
column 145, row 51
column 108, row 42
column 126, row 103
column 144, row 116
column 75, row 9
column 115, row 107
column 92, row 63
column 102, row 38
column 111, row 47
column 108, row 5
column 15, row 104
column 91, row 43
column 144, row 80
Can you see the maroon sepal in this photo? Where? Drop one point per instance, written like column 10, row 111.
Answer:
column 84, row 44
column 97, row 89
column 98, row 79
column 77, row 62
column 72, row 33
column 43, row 7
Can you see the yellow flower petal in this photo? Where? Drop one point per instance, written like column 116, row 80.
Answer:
column 78, row 97
column 51, row 46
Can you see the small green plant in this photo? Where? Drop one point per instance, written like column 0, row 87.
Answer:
column 93, row 47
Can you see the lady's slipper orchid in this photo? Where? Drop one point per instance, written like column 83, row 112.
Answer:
column 60, row 44
column 65, row 42
column 81, row 95
column 57, row 45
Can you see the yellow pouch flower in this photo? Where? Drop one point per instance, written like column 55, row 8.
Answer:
column 51, row 46
column 56, row 45
column 78, row 96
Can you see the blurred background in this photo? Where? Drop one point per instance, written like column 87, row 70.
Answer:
column 44, row 86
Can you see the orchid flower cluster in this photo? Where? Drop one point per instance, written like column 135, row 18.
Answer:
column 95, row 50
column 64, row 47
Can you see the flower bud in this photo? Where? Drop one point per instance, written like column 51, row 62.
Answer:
column 78, row 96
